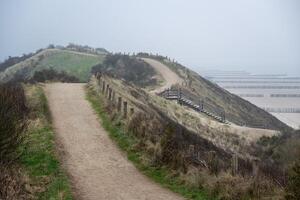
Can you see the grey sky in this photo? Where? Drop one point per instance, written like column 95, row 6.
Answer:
column 254, row 35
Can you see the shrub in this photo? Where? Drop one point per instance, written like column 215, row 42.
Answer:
column 293, row 188
column 52, row 75
column 13, row 112
column 10, row 61
column 129, row 68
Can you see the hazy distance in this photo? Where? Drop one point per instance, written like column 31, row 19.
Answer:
column 253, row 35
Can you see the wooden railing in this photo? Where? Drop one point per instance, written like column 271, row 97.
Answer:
column 182, row 99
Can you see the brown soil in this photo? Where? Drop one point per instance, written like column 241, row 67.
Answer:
column 97, row 168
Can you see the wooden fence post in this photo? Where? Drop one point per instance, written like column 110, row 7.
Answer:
column 255, row 167
column 125, row 109
column 103, row 87
column 107, row 88
column 109, row 93
column 119, row 103
column 223, row 116
column 191, row 150
column 234, row 164
column 131, row 111
column 113, row 96
column 213, row 162
column 179, row 96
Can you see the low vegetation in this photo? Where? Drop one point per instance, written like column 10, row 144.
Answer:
column 73, row 63
column 128, row 143
column 76, row 64
column 29, row 165
column 10, row 61
column 193, row 162
column 52, row 75
column 217, row 100
column 13, row 125
column 129, row 68
column 293, row 187
column 39, row 158
column 13, row 120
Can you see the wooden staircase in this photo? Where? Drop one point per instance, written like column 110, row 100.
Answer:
column 183, row 100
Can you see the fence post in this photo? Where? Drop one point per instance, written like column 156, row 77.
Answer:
column 213, row 162
column 119, row 103
column 113, row 96
column 103, row 87
column 109, row 93
column 255, row 167
column 107, row 89
column 131, row 111
column 223, row 116
column 234, row 164
column 200, row 105
column 179, row 96
column 191, row 150
column 125, row 109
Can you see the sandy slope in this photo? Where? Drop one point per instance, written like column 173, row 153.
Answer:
column 97, row 168
column 169, row 76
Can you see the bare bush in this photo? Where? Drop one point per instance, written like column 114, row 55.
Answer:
column 13, row 112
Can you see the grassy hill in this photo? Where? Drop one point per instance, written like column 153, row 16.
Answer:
column 77, row 64
column 129, row 68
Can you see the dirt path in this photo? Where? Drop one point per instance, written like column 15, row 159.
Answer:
column 169, row 76
column 98, row 170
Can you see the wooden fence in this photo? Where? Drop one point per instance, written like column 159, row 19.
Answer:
column 207, row 159
column 106, row 88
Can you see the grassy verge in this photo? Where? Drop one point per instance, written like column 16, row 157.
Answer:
column 48, row 181
column 126, row 142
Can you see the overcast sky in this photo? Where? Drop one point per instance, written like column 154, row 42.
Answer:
column 260, row 36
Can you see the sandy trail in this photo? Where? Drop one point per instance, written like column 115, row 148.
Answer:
column 169, row 76
column 97, row 168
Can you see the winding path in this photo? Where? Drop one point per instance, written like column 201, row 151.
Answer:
column 168, row 75
column 98, row 170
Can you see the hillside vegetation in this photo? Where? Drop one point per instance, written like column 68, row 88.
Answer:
column 77, row 64
column 134, row 70
column 217, row 100
column 181, row 149
column 178, row 147
column 129, row 68
column 28, row 162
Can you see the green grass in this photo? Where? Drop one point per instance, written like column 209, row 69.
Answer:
column 78, row 65
column 39, row 157
column 126, row 142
